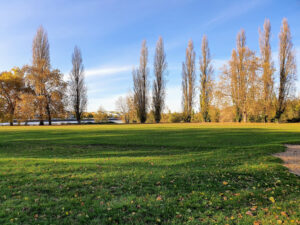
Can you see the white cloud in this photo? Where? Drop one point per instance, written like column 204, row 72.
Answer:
column 105, row 71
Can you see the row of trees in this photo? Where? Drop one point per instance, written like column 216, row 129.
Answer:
column 245, row 90
column 39, row 92
column 246, row 84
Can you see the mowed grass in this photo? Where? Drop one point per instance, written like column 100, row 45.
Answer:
column 148, row 174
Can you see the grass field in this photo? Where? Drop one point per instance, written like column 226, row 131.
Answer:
column 153, row 174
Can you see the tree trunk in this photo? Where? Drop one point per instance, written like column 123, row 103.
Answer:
column 278, row 115
column 41, row 115
column 49, row 114
column 49, row 119
column 244, row 116
column 11, row 117
column 78, row 117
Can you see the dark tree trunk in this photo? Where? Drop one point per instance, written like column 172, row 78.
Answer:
column 49, row 120
column 78, row 117
column 49, row 114
column 11, row 117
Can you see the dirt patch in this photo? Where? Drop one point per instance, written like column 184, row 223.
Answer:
column 291, row 158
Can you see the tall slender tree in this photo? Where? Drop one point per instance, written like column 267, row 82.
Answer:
column 241, row 60
column 206, row 71
column 287, row 70
column 158, row 92
column 77, row 87
column 188, row 82
column 267, row 66
column 47, row 84
column 140, row 85
column 40, row 70
column 40, row 49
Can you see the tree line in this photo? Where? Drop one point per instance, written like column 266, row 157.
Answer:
column 244, row 91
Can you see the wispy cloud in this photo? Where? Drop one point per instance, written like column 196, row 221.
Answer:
column 233, row 11
column 105, row 71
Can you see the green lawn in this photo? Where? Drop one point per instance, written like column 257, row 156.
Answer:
column 147, row 174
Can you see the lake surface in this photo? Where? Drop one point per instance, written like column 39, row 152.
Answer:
column 61, row 122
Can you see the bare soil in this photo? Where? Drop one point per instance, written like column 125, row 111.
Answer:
column 291, row 158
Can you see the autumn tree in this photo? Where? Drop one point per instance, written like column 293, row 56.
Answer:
column 254, row 91
column 2, row 110
column 38, row 72
column 188, row 82
column 48, row 85
column 287, row 68
column 206, row 71
column 125, row 105
column 240, row 77
column 56, row 95
column 77, row 87
column 267, row 66
column 131, row 107
column 11, row 88
column 25, row 110
column 101, row 116
column 140, row 85
column 158, row 92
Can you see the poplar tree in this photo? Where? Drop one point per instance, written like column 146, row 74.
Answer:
column 48, row 85
column 158, row 92
column 267, row 66
column 140, row 85
column 287, row 70
column 188, row 82
column 77, row 87
column 206, row 71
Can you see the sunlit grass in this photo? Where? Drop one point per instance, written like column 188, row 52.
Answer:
column 167, row 173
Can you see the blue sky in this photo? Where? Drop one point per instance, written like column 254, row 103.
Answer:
column 110, row 33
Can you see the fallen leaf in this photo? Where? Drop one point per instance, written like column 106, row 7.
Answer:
column 249, row 213
column 272, row 199
column 253, row 208
column 284, row 213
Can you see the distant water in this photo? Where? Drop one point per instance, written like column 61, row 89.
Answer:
column 61, row 122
